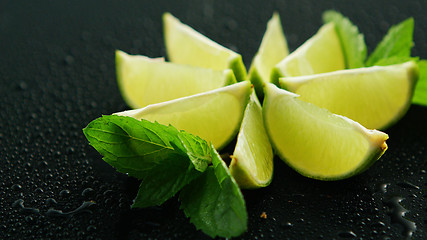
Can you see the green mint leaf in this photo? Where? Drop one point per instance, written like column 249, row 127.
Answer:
column 197, row 149
column 395, row 60
column 352, row 41
column 396, row 43
column 164, row 181
column 214, row 202
column 132, row 146
column 420, row 93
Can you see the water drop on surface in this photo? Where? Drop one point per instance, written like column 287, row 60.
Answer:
column 406, row 184
column 16, row 187
column 51, row 201
column 64, row 193
column 87, row 192
column 287, row 225
column 397, row 213
column 382, row 187
column 347, row 234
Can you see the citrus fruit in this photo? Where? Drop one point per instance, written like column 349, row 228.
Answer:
column 273, row 48
column 376, row 97
column 143, row 81
column 321, row 53
column 214, row 115
column 184, row 45
column 315, row 142
column 252, row 161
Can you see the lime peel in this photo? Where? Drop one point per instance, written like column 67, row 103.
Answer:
column 315, row 142
column 252, row 160
column 185, row 45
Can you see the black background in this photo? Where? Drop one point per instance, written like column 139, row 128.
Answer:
column 57, row 74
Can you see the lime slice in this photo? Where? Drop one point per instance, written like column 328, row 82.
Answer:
column 273, row 48
column 321, row 53
column 252, row 160
column 184, row 45
column 315, row 142
column 376, row 97
column 143, row 81
column 214, row 116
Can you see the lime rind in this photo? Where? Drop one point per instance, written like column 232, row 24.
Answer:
column 214, row 115
column 315, row 142
column 185, row 45
column 143, row 80
column 272, row 50
column 377, row 97
column 252, row 160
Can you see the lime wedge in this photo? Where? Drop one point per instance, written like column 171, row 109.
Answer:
column 376, row 97
column 273, row 48
column 184, row 45
column 252, row 160
column 143, row 81
column 214, row 116
column 315, row 142
column 321, row 53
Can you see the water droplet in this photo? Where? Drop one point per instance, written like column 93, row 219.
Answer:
column 397, row 213
column 87, row 192
column 64, row 193
column 16, row 187
column 287, row 225
column 22, row 86
column 347, row 234
column 81, row 209
column 51, row 201
column 382, row 187
column 91, row 228
column 406, row 184
column 68, row 60
column 20, row 204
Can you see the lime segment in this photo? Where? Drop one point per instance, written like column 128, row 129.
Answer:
column 143, row 81
column 184, row 45
column 272, row 50
column 376, row 97
column 321, row 53
column 315, row 142
column 214, row 116
column 252, row 160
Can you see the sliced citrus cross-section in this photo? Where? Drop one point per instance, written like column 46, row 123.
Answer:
column 214, row 116
column 376, row 97
column 184, row 45
column 315, row 142
column 321, row 53
column 252, row 161
column 143, row 81
column 272, row 50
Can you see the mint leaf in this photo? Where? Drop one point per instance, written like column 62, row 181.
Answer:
column 163, row 157
column 395, row 60
column 197, row 149
column 214, row 203
column 164, row 181
column 352, row 41
column 420, row 93
column 133, row 146
column 396, row 43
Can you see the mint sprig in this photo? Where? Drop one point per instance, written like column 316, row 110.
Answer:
column 397, row 43
column 352, row 41
column 394, row 48
column 167, row 161
column 204, row 199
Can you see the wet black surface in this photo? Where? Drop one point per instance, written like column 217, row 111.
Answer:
column 57, row 74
